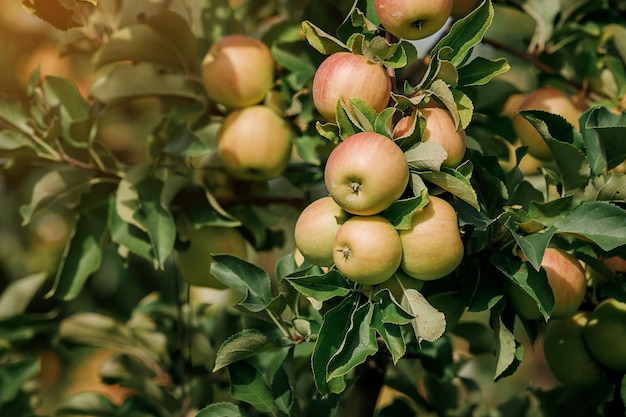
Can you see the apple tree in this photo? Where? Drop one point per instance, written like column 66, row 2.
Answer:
column 315, row 208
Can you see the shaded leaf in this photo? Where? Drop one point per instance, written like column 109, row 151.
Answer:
column 244, row 277
column 248, row 384
column 600, row 222
column 221, row 410
column 243, row 345
column 610, row 187
column 322, row 287
column 16, row 296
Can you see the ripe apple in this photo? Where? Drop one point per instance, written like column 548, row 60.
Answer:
column 194, row 263
column 567, row 354
column 238, row 71
column 461, row 8
column 432, row 247
column 316, row 228
column 344, row 75
column 366, row 173
column 440, row 129
column 605, row 334
column 548, row 99
column 412, row 20
column 254, row 143
column 567, row 279
column 367, row 249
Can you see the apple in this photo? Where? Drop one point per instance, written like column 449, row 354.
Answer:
column 567, row 279
column 605, row 334
column 567, row 354
column 316, row 228
column 238, row 71
column 366, row 173
column 194, row 263
column 461, row 8
column 254, row 143
column 440, row 129
column 367, row 249
column 615, row 263
column 413, row 19
column 344, row 75
column 432, row 247
column 551, row 100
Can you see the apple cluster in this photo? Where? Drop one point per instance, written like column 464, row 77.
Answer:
column 364, row 175
column 254, row 141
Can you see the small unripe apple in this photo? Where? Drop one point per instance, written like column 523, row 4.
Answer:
column 238, row 71
column 567, row 354
column 567, row 279
column 367, row 249
column 254, row 143
column 440, row 129
column 551, row 100
column 366, row 173
column 413, row 19
column 432, row 247
column 316, row 228
column 605, row 334
column 461, row 8
column 344, row 75
column 194, row 263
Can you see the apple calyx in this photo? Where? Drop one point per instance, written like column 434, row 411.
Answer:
column 346, row 252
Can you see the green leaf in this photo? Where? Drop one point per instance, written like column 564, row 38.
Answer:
column 466, row 33
column 129, row 82
column 329, row 131
column 481, row 70
column 16, row 296
column 384, row 121
column 602, row 223
column 13, row 143
column 63, row 185
column 83, row 252
column 13, row 375
column 86, row 403
column 390, row 311
column 322, row 41
column 13, row 114
column 610, row 187
column 244, row 277
column 336, row 324
column 129, row 236
column 322, row 287
column 426, row 156
column 221, row 410
column 564, row 141
column 391, row 334
column 453, row 181
column 401, row 212
column 609, row 132
column 358, row 344
column 532, row 281
column 248, row 384
column 242, row 345
column 429, row 323
column 509, row 351
column 533, row 245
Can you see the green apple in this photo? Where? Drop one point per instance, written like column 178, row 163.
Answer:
column 567, row 279
column 238, row 71
column 366, row 173
column 344, row 75
column 367, row 249
column 316, row 228
column 440, row 129
column 432, row 247
column 547, row 99
column 605, row 334
column 567, row 355
column 413, row 19
column 254, row 143
column 194, row 262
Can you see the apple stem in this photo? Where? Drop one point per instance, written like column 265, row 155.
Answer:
column 417, row 24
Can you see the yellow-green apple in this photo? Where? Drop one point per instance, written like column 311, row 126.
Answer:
column 432, row 247
column 344, row 75
column 440, row 129
column 567, row 354
column 366, row 173
column 461, row 8
column 549, row 99
column 567, row 279
column 605, row 334
column 238, row 71
column 194, row 262
column 254, row 143
column 412, row 20
column 367, row 249
column 316, row 228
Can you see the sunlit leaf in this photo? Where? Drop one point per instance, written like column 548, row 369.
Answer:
column 15, row 298
column 322, row 41
column 243, row 345
column 429, row 323
column 244, row 277
column 600, row 222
